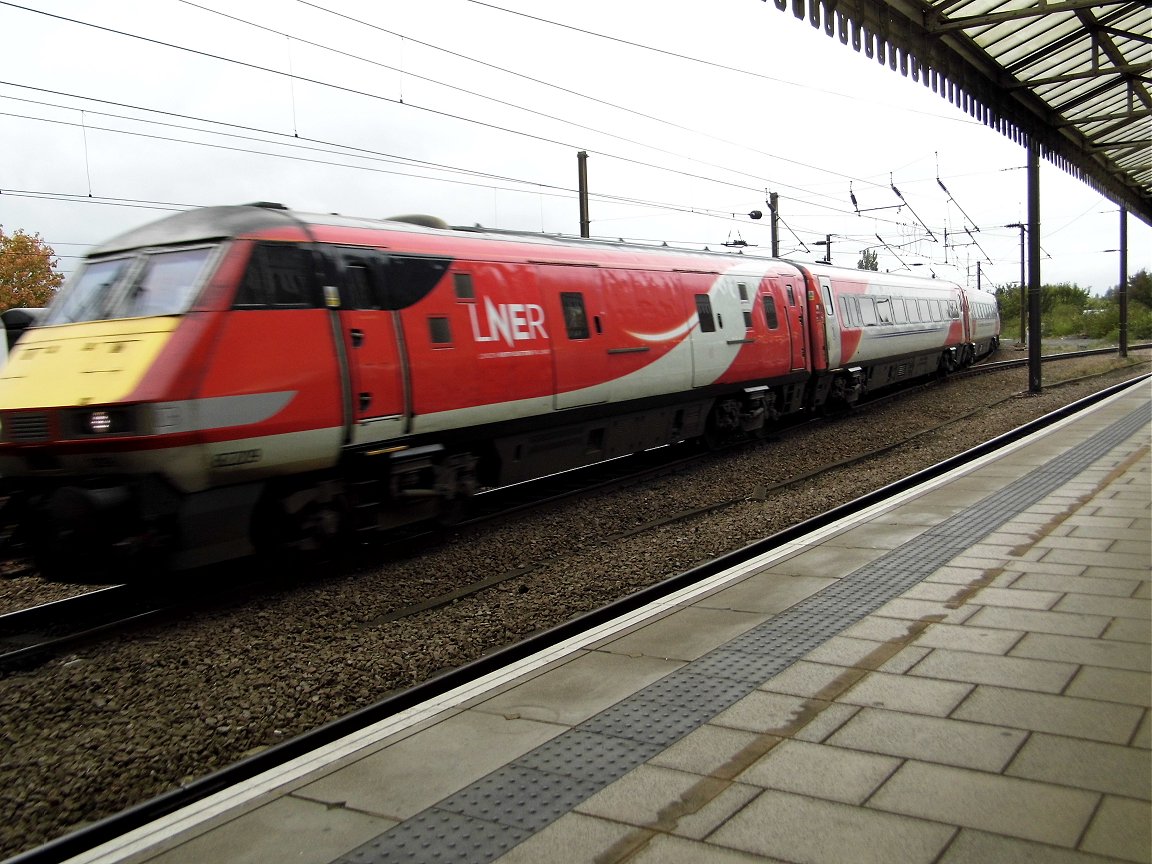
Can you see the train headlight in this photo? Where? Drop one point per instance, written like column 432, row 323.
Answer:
column 99, row 422
column 89, row 423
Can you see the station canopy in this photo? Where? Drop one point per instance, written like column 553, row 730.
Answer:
column 1071, row 76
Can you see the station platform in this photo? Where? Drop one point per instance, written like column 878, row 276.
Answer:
column 959, row 674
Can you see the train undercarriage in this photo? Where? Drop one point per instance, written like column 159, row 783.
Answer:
column 134, row 526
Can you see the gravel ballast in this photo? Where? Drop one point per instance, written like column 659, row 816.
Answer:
column 120, row 721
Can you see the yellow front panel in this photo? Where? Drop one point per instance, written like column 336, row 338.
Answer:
column 82, row 364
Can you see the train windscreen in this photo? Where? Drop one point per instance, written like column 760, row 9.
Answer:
column 135, row 286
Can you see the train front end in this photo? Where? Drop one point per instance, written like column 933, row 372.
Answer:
column 129, row 436
column 94, row 482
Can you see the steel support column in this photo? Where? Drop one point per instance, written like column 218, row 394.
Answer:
column 1034, row 377
column 1122, row 292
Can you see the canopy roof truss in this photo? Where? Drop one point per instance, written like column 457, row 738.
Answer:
column 1072, row 76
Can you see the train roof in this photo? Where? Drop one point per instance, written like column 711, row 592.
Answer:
column 217, row 223
column 221, row 222
column 199, row 224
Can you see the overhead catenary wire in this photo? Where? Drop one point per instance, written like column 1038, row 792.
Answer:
column 465, row 90
column 294, row 142
column 360, row 92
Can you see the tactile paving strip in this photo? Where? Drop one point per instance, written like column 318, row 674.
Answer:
column 483, row 821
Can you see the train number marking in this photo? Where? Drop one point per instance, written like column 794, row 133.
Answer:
column 236, row 458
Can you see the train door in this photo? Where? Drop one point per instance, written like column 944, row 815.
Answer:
column 719, row 325
column 574, row 299
column 966, row 318
column 373, row 340
column 794, row 313
column 831, row 323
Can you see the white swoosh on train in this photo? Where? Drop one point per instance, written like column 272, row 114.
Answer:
column 675, row 333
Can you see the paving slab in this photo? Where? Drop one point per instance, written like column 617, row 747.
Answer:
column 814, row 680
column 1042, row 712
column 797, row 828
column 1023, row 673
column 664, row 849
column 1129, row 630
column 979, row 847
column 930, row 739
column 1020, row 620
column 574, row 692
column 988, row 802
column 1121, row 829
column 1086, row 652
column 970, row 637
column 712, row 750
column 573, row 838
column 1093, row 765
column 1078, row 584
column 653, row 796
column 685, row 636
column 1111, row 685
column 908, row 694
column 767, row 593
column 831, row 773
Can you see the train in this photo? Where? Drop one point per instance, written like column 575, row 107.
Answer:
column 245, row 379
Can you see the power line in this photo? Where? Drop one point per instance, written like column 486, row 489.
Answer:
column 567, row 90
column 691, row 59
column 363, row 153
column 386, row 99
column 353, row 91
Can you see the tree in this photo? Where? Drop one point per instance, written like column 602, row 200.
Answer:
column 1140, row 288
column 868, row 260
column 28, row 275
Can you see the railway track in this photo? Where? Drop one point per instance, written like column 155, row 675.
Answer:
column 35, row 634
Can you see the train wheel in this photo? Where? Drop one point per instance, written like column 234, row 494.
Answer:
column 291, row 528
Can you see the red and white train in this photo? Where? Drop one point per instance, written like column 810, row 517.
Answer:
column 232, row 377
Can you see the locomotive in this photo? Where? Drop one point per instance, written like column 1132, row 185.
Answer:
column 238, row 378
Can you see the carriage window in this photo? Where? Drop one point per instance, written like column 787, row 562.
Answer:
column 898, row 313
column 743, row 289
column 884, row 310
column 867, row 311
column 440, row 330
column 770, row 312
column 358, row 279
column 791, row 295
column 953, row 309
column 411, row 278
column 575, row 317
column 704, row 311
column 278, row 276
column 463, row 285
column 922, row 308
column 828, row 299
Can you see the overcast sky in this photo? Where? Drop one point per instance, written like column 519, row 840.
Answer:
column 113, row 113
